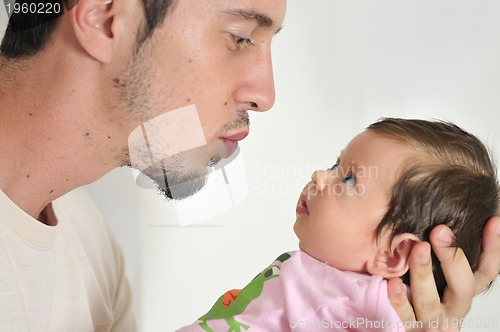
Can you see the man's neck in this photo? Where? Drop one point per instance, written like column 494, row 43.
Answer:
column 51, row 142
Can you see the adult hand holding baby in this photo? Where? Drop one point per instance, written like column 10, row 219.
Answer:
column 428, row 312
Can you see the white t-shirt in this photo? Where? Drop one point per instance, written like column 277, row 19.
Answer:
column 68, row 277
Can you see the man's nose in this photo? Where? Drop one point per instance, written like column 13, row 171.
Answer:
column 257, row 91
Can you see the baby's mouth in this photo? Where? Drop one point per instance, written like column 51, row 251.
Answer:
column 302, row 205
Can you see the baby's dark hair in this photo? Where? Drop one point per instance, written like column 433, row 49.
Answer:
column 451, row 181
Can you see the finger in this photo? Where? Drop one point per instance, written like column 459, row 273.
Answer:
column 426, row 302
column 489, row 266
column 399, row 300
column 461, row 284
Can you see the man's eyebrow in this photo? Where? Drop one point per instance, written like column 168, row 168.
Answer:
column 262, row 20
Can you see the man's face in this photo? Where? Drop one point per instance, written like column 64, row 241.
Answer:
column 215, row 55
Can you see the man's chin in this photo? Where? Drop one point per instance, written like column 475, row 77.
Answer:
column 176, row 186
column 181, row 190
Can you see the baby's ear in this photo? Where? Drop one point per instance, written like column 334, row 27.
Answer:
column 391, row 262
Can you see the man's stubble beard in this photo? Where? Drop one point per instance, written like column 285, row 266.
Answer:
column 178, row 176
column 175, row 178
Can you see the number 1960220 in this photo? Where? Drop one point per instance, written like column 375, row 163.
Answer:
column 33, row 8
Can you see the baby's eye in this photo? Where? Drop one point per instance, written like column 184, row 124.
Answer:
column 350, row 180
column 334, row 167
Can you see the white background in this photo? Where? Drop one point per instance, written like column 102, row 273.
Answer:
column 339, row 65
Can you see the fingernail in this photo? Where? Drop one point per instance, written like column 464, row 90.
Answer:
column 446, row 236
column 425, row 258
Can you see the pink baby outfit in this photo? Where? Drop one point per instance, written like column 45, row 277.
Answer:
column 299, row 293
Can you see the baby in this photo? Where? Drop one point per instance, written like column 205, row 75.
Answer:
column 357, row 223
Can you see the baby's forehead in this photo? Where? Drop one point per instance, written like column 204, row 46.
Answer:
column 378, row 157
column 370, row 144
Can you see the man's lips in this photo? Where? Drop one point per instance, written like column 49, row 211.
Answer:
column 237, row 137
column 231, row 143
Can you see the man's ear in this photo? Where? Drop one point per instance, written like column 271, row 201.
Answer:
column 393, row 261
column 92, row 22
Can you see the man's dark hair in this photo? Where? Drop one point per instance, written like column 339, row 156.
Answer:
column 452, row 181
column 27, row 34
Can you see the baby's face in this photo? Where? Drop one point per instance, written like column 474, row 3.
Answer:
column 339, row 210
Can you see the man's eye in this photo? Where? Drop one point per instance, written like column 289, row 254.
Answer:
column 350, row 180
column 243, row 42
